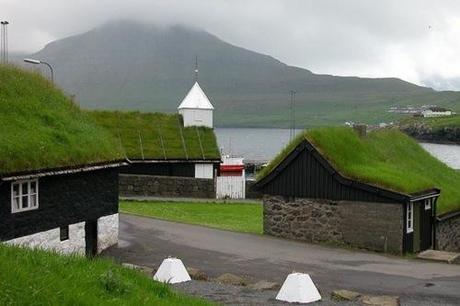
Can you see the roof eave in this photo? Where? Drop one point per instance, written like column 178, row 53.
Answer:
column 22, row 175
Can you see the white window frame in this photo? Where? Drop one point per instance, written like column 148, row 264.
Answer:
column 428, row 203
column 410, row 218
column 21, row 194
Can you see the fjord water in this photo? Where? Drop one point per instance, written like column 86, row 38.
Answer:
column 261, row 145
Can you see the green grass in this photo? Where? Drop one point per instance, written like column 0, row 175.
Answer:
column 42, row 128
column 34, row 277
column 386, row 158
column 158, row 136
column 240, row 217
column 434, row 123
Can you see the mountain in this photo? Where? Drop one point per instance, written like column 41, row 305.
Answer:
column 125, row 65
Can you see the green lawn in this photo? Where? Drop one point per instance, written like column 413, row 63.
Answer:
column 240, row 217
column 34, row 277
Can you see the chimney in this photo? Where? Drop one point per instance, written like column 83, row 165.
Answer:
column 360, row 129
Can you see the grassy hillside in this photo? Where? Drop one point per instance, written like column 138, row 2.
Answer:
column 33, row 277
column 158, row 136
column 434, row 123
column 386, row 158
column 150, row 69
column 42, row 128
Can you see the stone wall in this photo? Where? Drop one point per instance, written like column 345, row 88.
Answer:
column 374, row 226
column 250, row 192
column 50, row 240
column 165, row 186
column 448, row 233
column 107, row 232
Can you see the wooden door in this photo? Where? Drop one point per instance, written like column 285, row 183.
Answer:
column 426, row 224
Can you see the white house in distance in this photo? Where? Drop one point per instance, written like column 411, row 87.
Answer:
column 436, row 112
column 196, row 109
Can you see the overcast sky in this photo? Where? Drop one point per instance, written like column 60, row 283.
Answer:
column 415, row 40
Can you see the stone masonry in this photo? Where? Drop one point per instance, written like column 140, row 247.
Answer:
column 448, row 234
column 166, row 186
column 373, row 226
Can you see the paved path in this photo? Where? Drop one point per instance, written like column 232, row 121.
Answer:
column 147, row 241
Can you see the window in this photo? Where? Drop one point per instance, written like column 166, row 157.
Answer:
column 428, row 204
column 24, row 195
column 64, row 232
column 410, row 218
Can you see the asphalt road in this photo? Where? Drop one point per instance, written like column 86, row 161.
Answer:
column 146, row 241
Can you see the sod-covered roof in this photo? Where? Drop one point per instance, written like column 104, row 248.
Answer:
column 386, row 158
column 158, row 136
column 41, row 128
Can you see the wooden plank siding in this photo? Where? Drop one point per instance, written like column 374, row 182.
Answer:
column 305, row 173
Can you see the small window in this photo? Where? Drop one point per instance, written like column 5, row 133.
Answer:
column 428, row 204
column 64, row 233
column 410, row 218
column 24, row 196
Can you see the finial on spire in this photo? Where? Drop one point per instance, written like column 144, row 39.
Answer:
column 196, row 68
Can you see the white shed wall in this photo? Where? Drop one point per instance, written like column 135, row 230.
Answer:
column 204, row 171
column 197, row 117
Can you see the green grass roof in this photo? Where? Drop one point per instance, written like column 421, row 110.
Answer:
column 158, row 136
column 385, row 158
column 41, row 127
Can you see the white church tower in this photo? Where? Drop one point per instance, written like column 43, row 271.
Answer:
column 196, row 109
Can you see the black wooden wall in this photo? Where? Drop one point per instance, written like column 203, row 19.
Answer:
column 63, row 200
column 161, row 169
column 306, row 177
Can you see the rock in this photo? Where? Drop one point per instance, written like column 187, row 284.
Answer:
column 382, row 300
column 147, row 270
column 231, row 279
column 265, row 285
column 197, row 274
column 345, row 295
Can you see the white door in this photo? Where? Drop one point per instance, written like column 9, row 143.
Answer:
column 232, row 187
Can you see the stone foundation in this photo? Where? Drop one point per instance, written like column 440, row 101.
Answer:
column 373, row 226
column 448, row 233
column 107, row 232
column 165, row 186
column 50, row 240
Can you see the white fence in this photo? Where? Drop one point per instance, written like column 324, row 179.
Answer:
column 232, row 187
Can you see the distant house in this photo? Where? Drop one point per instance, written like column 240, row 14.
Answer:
column 329, row 185
column 58, row 170
column 436, row 112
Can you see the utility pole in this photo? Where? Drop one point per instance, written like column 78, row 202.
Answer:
column 4, row 42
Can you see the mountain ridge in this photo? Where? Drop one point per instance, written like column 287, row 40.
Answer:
column 149, row 68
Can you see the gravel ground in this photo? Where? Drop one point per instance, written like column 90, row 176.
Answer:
column 238, row 295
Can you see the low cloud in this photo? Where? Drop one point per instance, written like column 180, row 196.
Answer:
column 413, row 40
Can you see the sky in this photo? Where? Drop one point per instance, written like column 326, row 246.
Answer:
column 415, row 40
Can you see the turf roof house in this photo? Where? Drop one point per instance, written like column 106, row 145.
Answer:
column 58, row 170
column 313, row 193
column 158, row 144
